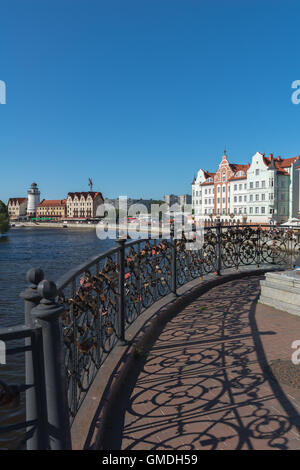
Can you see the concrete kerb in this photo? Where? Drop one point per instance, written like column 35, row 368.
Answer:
column 92, row 418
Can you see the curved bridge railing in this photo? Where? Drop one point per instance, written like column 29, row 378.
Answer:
column 88, row 311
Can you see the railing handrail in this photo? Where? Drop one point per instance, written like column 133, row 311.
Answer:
column 71, row 274
column 65, row 279
column 16, row 332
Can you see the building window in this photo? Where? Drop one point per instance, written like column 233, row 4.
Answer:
column 262, row 210
column 240, row 187
column 263, row 197
column 256, row 210
column 257, row 184
column 263, row 184
column 235, row 187
column 257, row 197
column 251, row 185
column 257, row 172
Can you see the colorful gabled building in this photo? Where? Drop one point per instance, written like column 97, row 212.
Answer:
column 263, row 191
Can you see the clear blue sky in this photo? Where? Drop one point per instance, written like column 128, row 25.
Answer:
column 139, row 94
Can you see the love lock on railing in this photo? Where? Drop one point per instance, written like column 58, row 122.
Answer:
column 9, row 395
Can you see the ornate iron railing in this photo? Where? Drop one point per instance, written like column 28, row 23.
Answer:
column 96, row 302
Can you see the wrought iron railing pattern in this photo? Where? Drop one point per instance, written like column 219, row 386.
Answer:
column 95, row 303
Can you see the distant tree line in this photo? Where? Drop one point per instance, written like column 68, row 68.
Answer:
column 4, row 220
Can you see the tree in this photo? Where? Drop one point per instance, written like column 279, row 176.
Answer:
column 4, row 219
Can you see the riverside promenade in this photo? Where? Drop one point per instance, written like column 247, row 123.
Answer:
column 218, row 376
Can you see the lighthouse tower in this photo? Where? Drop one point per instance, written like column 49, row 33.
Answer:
column 33, row 199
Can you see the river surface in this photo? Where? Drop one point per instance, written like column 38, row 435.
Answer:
column 55, row 251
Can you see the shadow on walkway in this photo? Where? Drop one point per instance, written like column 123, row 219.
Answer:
column 206, row 383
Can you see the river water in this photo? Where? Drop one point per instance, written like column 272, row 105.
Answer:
column 55, row 251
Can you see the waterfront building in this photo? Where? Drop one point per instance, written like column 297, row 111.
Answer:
column 56, row 209
column 33, row 199
column 171, row 199
column 185, row 199
column 115, row 202
column 17, row 207
column 83, row 205
column 182, row 200
column 267, row 190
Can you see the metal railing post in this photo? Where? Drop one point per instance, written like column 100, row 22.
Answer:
column 219, row 247
column 173, row 265
column 121, row 288
column 34, row 371
column 47, row 316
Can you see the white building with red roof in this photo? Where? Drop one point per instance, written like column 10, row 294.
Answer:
column 83, row 205
column 17, row 206
column 266, row 189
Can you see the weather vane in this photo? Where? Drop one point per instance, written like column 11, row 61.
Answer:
column 91, row 184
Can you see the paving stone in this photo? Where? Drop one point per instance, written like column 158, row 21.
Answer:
column 207, row 382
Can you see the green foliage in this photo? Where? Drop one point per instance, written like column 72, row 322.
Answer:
column 154, row 201
column 3, row 208
column 4, row 221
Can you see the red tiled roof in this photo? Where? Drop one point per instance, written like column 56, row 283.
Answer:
column 285, row 162
column 52, row 203
column 280, row 163
column 208, row 174
column 237, row 167
column 14, row 200
column 206, row 182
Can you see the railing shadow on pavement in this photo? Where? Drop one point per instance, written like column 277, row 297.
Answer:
column 203, row 384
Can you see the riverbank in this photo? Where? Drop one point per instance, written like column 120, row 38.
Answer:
column 89, row 226
column 51, row 225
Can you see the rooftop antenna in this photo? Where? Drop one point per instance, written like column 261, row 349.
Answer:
column 91, row 184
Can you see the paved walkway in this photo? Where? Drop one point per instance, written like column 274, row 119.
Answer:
column 207, row 384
